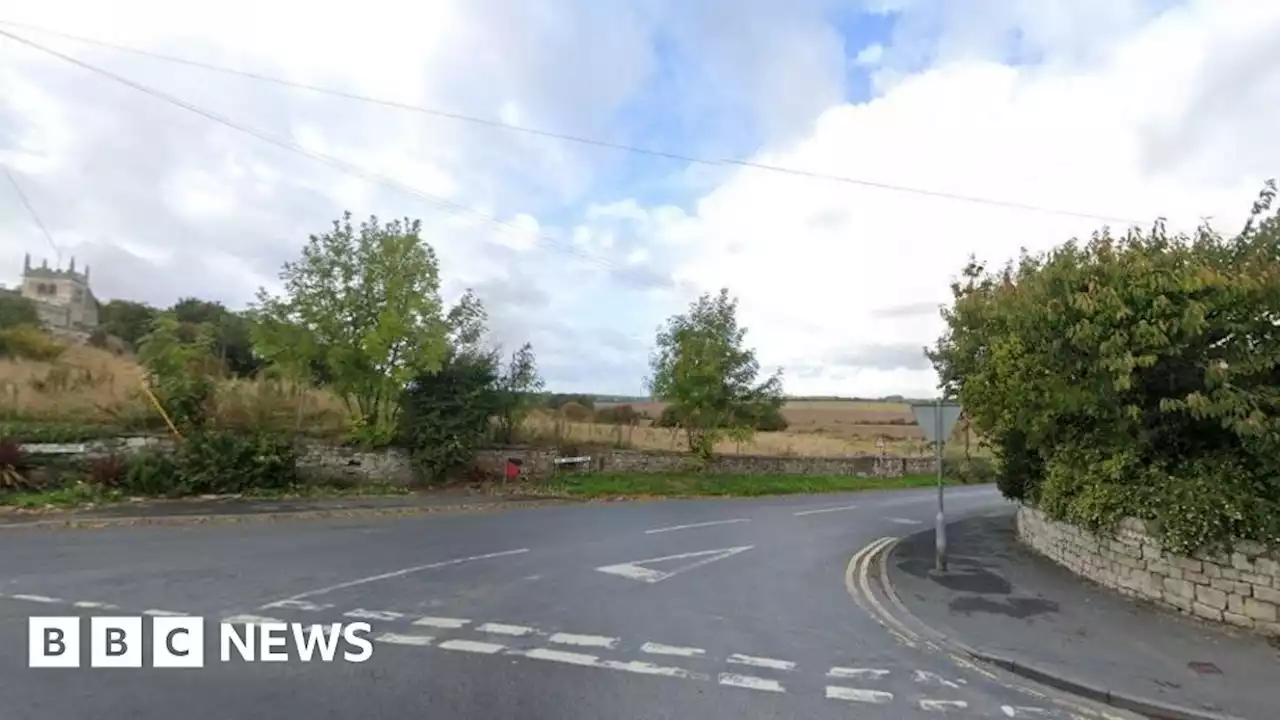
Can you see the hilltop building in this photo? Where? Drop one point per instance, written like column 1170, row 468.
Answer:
column 63, row 299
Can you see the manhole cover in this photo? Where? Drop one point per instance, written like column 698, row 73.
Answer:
column 1205, row 668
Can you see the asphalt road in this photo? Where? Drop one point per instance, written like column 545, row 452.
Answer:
column 745, row 614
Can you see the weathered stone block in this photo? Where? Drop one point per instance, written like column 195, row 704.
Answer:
column 1235, row 604
column 1211, row 597
column 1204, row 611
column 1240, row 561
column 1212, row 571
column 1232, row 586
column 1254, row 578
column 1187, row 564
column 1260, row 610
column 1178, row 601
column 1235, row 619
column 1267, row 594
column 1196, row 578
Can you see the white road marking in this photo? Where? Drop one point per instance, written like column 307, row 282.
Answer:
column 503, row 629
column 856, row 673
column 297, row 605
column 398, row 639
column 441, row 622
column 695, row 525
column 560, row 656
column 163, row 613
column 751, row 683
column 644, row 668
column 943, row 705
column 38, row 598
column 825, row 510
column 635, row 571
column 362, row 614
column 599, row 641
column 763, row 662
column 98, row 605
column 924, row 676
column 404, row 571
column 905, row 521
column 879, row 697
column 471, row 646
column 660, row 649
column 1015, row 711
column 249, row 620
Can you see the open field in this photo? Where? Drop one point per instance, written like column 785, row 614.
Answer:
column 87, row 386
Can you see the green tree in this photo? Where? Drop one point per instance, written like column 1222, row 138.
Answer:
column 1137, row 375
column 518, row 387
column 182, row 371
column 709, row 379
column 363, row 306
column 233, row 343
column 16, row 310
column 127, row 320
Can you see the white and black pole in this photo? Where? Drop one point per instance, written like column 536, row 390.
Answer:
column 940, row 522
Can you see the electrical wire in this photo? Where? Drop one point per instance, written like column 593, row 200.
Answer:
column 715, row 162
column 34, row 215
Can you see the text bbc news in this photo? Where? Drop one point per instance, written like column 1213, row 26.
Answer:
column 178, row 642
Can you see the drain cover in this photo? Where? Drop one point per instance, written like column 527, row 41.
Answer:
column 1205, row 668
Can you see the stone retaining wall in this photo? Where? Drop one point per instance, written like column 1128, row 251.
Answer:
column 1242, row 589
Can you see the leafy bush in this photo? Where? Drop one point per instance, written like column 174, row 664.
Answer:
column 444, row 415
column 30, row 342
column 219, row 462
column 764, row 417
column 1135, row 376
column 151, row 473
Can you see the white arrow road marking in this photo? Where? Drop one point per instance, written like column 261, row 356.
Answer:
column 835, row 692
column 37, row 598
column 636, row 571
column 905, row 521
column 695, row 525
column 1015, row 711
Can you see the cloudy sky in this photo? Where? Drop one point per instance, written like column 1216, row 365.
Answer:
column 1116, row 110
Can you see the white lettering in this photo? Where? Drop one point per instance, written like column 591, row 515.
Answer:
column 272, row 640
column 231, row 637
column 349, row 633
column 308, row 638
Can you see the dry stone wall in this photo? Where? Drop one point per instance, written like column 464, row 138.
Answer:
column 1241, row 589
column 349, row 465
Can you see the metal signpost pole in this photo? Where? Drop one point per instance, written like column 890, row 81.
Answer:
column 940, row 529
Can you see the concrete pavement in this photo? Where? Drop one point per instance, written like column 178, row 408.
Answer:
column 676, row 609
column 1006, row 601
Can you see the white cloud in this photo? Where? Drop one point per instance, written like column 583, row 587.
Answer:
column 816, row 264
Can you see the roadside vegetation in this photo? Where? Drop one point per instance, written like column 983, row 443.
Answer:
column 1132, row 376
column 640, row 485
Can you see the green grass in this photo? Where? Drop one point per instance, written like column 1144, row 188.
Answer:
column 596, row 485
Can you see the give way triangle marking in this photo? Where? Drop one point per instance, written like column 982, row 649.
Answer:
column 636, row 570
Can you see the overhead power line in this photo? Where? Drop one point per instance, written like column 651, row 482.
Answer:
column 716, row 162
column 34, row 215
column 627, row 275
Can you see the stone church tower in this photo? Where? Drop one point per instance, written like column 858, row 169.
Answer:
column 62, row 298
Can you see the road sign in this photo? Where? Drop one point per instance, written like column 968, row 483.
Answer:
column 927, row 416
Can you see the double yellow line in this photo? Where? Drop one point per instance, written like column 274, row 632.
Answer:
column 857, row 580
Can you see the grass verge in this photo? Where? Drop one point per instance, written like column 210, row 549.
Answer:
column 598, row 485
column 83, row 494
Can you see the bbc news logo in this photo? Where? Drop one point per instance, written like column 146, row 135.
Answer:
column 178, row 642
